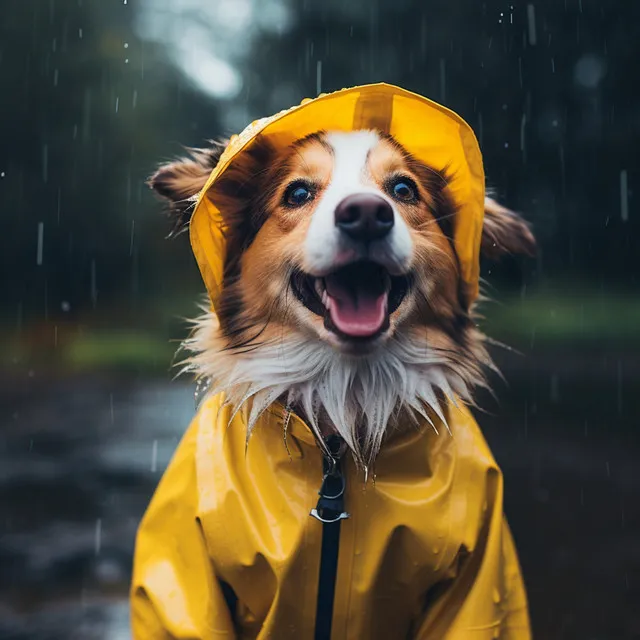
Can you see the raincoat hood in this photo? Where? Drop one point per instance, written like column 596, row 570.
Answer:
column 430, row 132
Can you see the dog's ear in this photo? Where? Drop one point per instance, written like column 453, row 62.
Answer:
column 180, row 182
column 504, row 232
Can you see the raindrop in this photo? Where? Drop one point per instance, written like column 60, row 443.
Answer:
column 133, row 226
column 520, row 72
column 523, row 126
column 55, row 78
column 65, row 306
column 2, row 174
column 624, row 196
column 154, row 456
column 553, row 65
column 126, row 60
column 40, row 243
column 531, row 21
column 126, row 45
column 319, row 77
column 117, row 103
column 98, row 540
column 135, row 99
column 202, row 387
column 80, row 34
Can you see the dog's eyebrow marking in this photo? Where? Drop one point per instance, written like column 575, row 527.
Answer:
column 319, row 136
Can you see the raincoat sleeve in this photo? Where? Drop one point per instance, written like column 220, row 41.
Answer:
column 174, row 591
column 483, row 596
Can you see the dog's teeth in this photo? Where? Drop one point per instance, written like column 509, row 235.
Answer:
column 325, row 299
column 319, row 288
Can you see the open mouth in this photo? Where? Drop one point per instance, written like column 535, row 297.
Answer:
column 355, row 301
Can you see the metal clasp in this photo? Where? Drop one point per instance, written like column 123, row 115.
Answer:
column 330, row 507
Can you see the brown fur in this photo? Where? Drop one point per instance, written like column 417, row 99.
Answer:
column 179, row 182
column 505, row 232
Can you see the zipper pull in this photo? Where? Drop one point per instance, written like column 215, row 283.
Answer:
column 330, row 507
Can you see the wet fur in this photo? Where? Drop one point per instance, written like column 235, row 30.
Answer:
column 263, row 346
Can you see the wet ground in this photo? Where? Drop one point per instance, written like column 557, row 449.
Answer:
column 80, row 457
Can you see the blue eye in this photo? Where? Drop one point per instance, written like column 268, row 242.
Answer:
column 297, row 194
column 404, row 190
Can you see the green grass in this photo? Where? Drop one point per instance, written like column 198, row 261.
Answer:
column 128, row 351
column 549, row 318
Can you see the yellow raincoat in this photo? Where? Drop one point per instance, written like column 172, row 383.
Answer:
column 227, row 548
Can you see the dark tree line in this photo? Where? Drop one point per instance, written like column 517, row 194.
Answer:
column 88, row 109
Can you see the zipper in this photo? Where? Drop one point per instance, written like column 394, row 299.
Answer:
column 330, row 511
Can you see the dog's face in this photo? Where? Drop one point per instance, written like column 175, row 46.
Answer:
column 342, row 244
column 353, row 245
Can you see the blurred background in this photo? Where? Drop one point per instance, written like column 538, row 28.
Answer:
column 95, row 94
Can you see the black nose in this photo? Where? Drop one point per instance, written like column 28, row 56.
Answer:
column 364, row 217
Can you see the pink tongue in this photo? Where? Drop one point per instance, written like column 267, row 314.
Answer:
column 358, row 312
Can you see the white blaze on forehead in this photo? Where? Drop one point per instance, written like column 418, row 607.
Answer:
column 350, row 152
column 325, row 247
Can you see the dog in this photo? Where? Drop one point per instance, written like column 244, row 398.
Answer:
column 343, row 302
column 341, row 262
